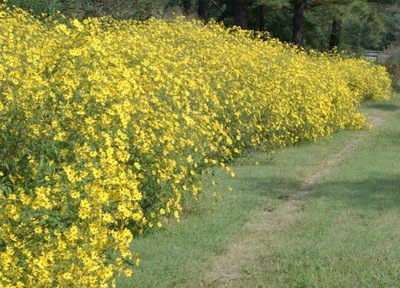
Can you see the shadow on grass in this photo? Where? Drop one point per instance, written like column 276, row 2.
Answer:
column 269, row 187
column 384, row 106
column 390, row 138
column 378, row 193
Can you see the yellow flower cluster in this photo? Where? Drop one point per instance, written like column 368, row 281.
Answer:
column 104, row 125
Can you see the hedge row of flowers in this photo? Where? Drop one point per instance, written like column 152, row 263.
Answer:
column 105, row 125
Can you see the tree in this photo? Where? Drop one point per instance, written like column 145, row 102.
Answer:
column 261, row 23
column 240, row 14
column 298, row 21
column 186, row 7
column 335, row 33
column 203, row 9
column 265, row 14
column 392, row 20
column 334, row 8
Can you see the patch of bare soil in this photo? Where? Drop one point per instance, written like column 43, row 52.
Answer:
column 226, row 270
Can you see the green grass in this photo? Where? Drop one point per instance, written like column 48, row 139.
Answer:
column 322, row 214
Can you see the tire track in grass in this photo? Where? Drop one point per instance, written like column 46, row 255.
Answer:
column 226, row 269
column 335, row 159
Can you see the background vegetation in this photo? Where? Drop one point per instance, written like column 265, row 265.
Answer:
column 318, row 24
column 350, row 25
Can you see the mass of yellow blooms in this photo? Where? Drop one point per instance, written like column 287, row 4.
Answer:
column 105, row 125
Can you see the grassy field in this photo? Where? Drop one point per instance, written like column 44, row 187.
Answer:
column 322, row 214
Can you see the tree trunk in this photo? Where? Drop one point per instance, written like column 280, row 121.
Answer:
column 186, row 6
column 335, row 33
column 298, row 22
column 203, row 9
column 240, row 13
column 261, row 10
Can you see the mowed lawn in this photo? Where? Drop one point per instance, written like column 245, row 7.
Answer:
column 323, row 214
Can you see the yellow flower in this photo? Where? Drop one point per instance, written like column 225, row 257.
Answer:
column 85, row 209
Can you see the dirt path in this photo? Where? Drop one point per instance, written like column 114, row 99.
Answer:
column 226, row 270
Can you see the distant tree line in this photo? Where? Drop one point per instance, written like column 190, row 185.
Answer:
column 351, row 25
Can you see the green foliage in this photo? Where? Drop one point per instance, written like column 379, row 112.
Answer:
column 276, row 4
column 37, row 6
column 392, row 55
column 138, row 9
column 391, row 15
column 392, row 63
column 277, row 22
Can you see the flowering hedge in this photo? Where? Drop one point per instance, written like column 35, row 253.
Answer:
column 104, row 125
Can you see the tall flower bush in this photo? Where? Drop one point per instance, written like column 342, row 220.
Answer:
column 105, row 125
